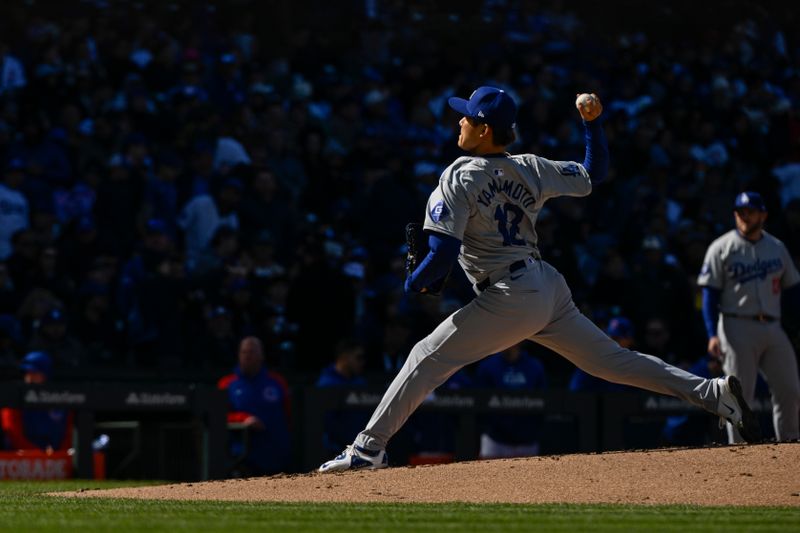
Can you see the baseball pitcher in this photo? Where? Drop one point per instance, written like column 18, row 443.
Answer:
column 483, row 213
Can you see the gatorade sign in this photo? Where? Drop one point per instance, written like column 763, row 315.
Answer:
column 35, row 465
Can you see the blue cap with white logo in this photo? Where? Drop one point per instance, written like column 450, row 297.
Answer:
column 750, row 199
column 490, row 105
column 37, row 362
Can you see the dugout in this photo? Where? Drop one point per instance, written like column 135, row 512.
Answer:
column 165, row 431
column 569, row 419
column 640, row 420
column 572, row 422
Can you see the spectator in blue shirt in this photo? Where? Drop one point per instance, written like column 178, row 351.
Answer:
column 511, row 435
column 345, row 372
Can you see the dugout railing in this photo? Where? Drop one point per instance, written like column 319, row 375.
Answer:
column 572, row 421
column 199, row 407
column 578, row 410
column 624, row 413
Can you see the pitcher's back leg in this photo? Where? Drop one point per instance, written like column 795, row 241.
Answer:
column 579, row 340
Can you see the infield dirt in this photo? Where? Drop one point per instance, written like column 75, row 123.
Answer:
column 757, row 475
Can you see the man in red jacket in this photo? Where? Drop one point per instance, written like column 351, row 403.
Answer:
column 35, row 429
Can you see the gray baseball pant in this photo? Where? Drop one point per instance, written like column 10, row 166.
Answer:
column 749, row 346
column 533, row 304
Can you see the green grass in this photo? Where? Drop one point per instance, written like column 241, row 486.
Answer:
column 24, row 508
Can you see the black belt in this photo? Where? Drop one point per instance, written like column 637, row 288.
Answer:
column 513, row 267
column 758, row 318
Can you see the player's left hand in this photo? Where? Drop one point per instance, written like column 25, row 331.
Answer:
column 715, row 349
column 588, row 106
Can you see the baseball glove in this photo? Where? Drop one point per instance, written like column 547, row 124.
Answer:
column 417, row 245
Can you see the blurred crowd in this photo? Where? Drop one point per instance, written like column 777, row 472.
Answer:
column 178, row 176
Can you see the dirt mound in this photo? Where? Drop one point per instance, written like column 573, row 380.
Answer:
column 764, row 474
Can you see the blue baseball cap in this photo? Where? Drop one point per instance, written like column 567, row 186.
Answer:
column 750, row 199
column 490, row 105
column 37, row 362
column 619, row 327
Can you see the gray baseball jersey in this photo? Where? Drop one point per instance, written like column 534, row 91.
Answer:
column 491, row 204
column 750, row 277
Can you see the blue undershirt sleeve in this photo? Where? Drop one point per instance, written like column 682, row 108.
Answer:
column 597, row 158
column 444, row 250
column 711, row 310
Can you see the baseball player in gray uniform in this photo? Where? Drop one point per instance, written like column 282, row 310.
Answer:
column 483, row 213
column 744, row 273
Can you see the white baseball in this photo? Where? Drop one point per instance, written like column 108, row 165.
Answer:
column 585, row 99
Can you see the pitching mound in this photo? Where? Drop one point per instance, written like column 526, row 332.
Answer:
column 765, row 474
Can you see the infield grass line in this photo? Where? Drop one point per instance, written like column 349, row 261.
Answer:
column 24, row 507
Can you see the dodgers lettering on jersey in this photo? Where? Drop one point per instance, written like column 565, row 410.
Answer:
column 743, row 272
column 491, row 205
column 750, row 275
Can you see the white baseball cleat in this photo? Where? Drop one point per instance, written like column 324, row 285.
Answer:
column 355, row 457
column 733, row 408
